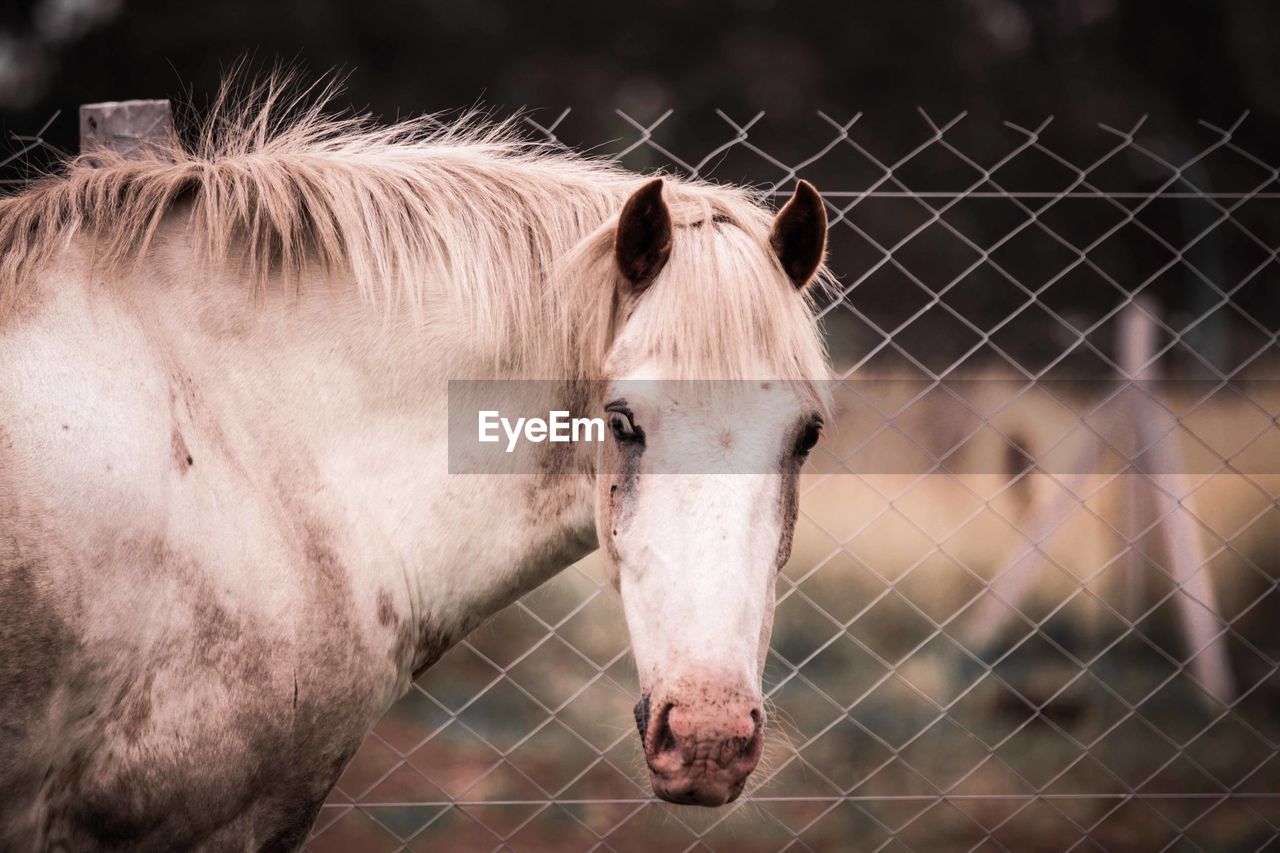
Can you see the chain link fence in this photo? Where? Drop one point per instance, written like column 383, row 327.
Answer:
column 28, row 155
column 991, row 636
column 1032, row 597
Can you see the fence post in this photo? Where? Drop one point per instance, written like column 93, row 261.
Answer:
column 1196, row 599
column 128, row 128
column 1187, row 560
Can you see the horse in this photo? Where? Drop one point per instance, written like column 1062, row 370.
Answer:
column 229, row 536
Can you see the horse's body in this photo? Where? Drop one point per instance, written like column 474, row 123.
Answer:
column 205, row 604
column 227, row 535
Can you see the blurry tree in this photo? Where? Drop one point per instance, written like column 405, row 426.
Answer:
column 1094, row 60
column 1085, row 61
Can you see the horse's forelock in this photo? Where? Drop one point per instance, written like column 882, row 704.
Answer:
column 721, row 308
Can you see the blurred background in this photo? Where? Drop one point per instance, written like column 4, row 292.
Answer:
column 992, row 635
column 1084, row 61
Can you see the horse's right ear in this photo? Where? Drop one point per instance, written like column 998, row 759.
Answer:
column 642, row 243
column 799, row 234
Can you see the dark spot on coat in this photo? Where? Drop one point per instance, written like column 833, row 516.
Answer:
column 132, row 709
column 324, row 560
column 431, row 645
column 789, row 507
column 387, row 616
column 623, row 465
column 295, row 823
column 418, row 650
column 182, row 460
column 36, row 643
column 218, row 631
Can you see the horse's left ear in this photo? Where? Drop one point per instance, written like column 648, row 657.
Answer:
column 799, row 234
column 642, row 243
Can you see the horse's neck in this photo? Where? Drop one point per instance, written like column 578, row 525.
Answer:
column 358, row 401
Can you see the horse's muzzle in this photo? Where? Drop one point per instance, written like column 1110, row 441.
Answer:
column 701, row 754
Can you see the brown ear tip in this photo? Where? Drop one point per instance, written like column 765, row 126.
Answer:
column 651, row 188
column 810, row 195
column 648, row 196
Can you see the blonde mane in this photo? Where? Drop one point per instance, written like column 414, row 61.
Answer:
column 520, row 233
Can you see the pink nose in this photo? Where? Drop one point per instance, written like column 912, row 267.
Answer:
column 703, row 754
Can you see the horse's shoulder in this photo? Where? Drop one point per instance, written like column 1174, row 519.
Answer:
column 199, row 727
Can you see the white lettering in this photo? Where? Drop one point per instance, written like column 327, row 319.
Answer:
column 488, row 423
column 513, row 433
column 559, row 428
column 588, row 425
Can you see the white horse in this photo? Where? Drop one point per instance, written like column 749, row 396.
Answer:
column 228, row 534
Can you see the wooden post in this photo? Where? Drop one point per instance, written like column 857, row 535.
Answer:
column 1196, row 599
column 128, row 128
column 1187, row 563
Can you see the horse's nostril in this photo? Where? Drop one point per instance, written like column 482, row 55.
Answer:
column 655, row 735
column 664, row 740
column 751, row 743
column 642, row 715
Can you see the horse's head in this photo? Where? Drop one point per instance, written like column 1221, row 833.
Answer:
column 698, row 481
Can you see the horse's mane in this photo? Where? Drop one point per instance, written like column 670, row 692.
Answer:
column 467, row 210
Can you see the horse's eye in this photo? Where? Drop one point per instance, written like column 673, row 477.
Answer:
column 624, row 429
column 808, row 437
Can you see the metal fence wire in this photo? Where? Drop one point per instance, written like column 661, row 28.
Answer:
column 1032, row 597
column 990, row 636
column 28, row 155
